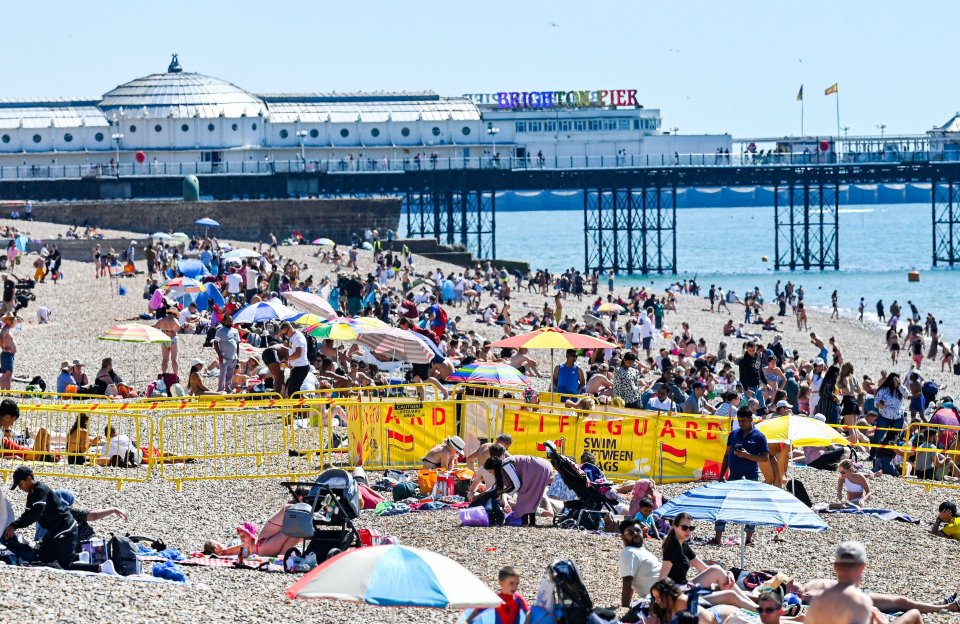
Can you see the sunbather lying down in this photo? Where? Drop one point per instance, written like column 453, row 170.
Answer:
column 888, row 603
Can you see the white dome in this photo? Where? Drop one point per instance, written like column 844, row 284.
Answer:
column 179, row 94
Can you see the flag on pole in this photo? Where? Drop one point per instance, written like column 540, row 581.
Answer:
column 404, row 442
column 831, row 89
column 675, row 455
column 800, row 94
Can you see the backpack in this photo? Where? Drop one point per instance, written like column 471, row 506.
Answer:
column 313, row 351
column 571, row 596
column 123, row 553
column 442, row 317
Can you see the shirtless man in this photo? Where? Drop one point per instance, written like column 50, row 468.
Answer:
column 601, row 384
column 169, row 325
column 843, row 600
column 444, row 455
column 9, row 349
column 520, row 358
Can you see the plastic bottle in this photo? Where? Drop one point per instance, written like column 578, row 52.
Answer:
column 451, row 484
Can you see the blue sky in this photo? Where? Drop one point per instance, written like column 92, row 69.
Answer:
column 709, row 66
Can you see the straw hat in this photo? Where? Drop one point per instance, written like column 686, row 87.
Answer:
column 457, row 443
column 65, row 365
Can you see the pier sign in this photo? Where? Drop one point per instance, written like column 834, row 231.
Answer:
column 519, row 100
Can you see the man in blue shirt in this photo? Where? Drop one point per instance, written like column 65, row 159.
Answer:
column 746, row 448
column 65, row 378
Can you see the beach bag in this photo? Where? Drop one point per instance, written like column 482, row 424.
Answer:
column 464, row 477
column 426, row 479
column 474, row 517
column 123, row 554
column 156, row 301
column 956, row 368
column 298, row 521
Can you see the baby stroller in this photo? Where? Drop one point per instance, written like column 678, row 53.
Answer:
column 323, row 517
column 586, row 511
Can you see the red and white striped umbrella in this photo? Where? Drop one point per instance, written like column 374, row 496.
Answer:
column 311, row 303
column 398, row 344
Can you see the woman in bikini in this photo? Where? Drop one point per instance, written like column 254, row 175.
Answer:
column 855, row 485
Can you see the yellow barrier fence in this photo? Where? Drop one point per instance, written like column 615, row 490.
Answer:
column 398, row 392
column 80, row 445
column 224, row 444
column 931, row 458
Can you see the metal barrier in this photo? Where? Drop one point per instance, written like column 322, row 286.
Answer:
column 233, row 444
column 379, row 393
column 937, row 447
column 76, row 445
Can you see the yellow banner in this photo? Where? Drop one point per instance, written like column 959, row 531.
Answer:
column 530, row 429
column 397, row 435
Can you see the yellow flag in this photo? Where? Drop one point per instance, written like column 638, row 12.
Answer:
column 831, row 89
column 800, row 94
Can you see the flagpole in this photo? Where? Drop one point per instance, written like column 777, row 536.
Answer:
column 801, row 118
column 838, row 126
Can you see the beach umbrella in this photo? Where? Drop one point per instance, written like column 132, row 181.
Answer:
column 395, row 576
column 608, row 307
column 553, row 338
column 240, row 253
column 744, row 502
column 210, row 293
column 192, row 268
column 324, row 242
column 264, row 311
column 336, row 329
column 135, row 333
column 399, row 344
column 366, row 246
column 800, row 431
column 306, row 319
column 310, row 302
column 207, row 222
column 179, row 286
column 22, row 242
column 180, row 237
column 161, row 236
column 495, row 373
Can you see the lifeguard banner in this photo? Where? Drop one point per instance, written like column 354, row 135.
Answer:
column 530, row 427
column 397, row 435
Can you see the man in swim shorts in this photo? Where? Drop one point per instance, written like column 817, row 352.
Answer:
column 9, row 349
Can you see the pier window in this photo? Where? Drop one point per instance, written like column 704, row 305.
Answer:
column 68, row 137
column 314, row 133
column 549, row 126
column 184, row 128
column 284, row 134
column 210, row 127
column 521, row 126
column 580, row 125
column 435, row 131
column 5, row 138
column 624, row 124
column 98, row 137
column 375, row 132
column 405, row 132
column 157, row 128
column 535, row 126
column 234, row 127
column 344, row 133
column 253, row 126
column 133, row 128
column 36, row 138
column 466, row 131
column 565, row 126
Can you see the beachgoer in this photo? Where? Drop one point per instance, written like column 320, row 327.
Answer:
column 513, row 603
column 8, row 348
column 525, row 476
column 626, row 382
column 639, row 568
column 226, row 342
column 297, row 358
column 47, row 510
column 169, row 325
column 746, row 448
column 947, row 522
column 444, row 455
column 855, row 485
column 568, row 378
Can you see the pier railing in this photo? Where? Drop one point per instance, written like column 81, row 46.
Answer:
column 353, row 165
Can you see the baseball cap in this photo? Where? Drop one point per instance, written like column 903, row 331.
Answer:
column 784, row 404
column 818, row 361
column 699, row 385
column 21, row 473
column 851, row 552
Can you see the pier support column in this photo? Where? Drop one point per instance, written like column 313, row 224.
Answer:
column 464, row 217
column 806, row 226
column 630, row 230
column 946, row 223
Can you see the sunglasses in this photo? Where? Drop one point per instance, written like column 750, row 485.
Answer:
column 633, row 530
column 767, row 609
column 686, row 527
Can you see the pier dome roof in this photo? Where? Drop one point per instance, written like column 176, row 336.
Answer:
column 176, row 93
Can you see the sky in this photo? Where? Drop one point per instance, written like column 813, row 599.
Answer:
column 710, row 67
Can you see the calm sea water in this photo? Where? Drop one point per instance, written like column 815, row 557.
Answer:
column 878, row 246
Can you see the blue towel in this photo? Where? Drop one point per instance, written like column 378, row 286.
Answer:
column 170, row 571
column 882, row 514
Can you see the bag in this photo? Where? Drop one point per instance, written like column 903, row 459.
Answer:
column 797, row 488
column 474, row 517
column 403, row 490
column 123, row 554
column 570, row 592
column 956, row 368
column 298, row 521
column 313, row 350
column 129, row 460
column 369, row 537
column 426, row 479
column 442, row 316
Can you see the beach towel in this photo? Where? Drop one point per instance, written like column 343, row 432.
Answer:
column 876, row 512
column 368, row 498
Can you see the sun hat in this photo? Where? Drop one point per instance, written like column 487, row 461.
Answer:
column 457, row 443
column 784, row 404
column 195, row 361
column 65, row 365
column 78, row 362
column 249, row 528
column 818, row 361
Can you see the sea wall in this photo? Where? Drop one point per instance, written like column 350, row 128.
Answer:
column 251, row 220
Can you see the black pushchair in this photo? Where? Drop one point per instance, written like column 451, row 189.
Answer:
column 323, row 517
column 587, row 509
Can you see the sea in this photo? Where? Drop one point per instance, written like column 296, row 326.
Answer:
column 879, row 245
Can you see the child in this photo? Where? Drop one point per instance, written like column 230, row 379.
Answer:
column 645, row 518
column 513, row 603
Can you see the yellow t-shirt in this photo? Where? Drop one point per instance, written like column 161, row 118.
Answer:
column 952, row 529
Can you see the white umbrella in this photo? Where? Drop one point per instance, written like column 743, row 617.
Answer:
column 311, row 303
column 242, row 252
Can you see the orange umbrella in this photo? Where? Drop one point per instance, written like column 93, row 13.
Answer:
column 553, row 338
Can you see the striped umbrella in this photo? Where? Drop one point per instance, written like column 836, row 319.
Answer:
column 135, row 333
column 399, row 344
column 305, row 319
column 395, row 576
column 264, row 311
column 311, row 303
column 183, row 286
column 495, row 373
column 608, row 307
column 241, row 253
column 744, row 502
column 553, row 338
column 324, row 242
column 344, row 327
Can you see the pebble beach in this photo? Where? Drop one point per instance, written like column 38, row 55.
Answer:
column 904, row 558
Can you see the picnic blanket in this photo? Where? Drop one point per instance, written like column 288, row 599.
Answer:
column 140, row 578
column 876, row 512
